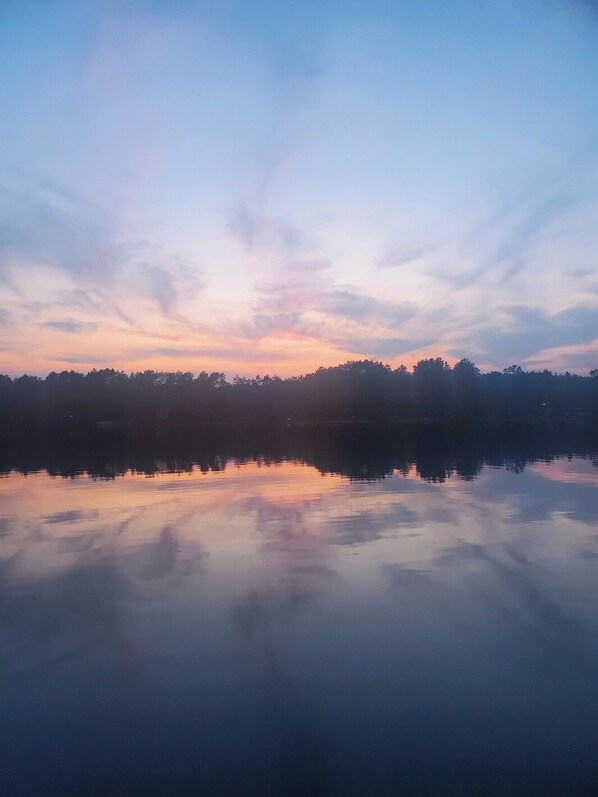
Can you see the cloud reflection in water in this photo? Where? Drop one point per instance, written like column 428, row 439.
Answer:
column 300, row 632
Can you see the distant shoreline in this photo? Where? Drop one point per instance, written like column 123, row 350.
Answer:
column 454, row 422
column 362, row 392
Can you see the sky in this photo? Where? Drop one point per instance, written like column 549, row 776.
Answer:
column 269, row 187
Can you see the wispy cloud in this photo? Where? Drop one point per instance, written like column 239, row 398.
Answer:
column 72, row 327
column 364, row 308
column 398, row 256
column 580, row 358
column 254, row 229
column 522, row 334
column 526, row 214
column 167, row 286
column 528, row 330
column 386, row 348
column 43, row 224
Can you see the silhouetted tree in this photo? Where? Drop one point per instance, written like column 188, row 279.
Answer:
column 431, row 380
column 465, row 386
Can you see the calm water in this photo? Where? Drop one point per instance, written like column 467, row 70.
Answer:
column 267, row 629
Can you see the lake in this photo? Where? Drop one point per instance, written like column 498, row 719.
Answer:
column 334, row 618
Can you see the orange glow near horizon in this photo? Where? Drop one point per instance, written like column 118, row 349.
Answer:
column 141, row 339
column 285, row 353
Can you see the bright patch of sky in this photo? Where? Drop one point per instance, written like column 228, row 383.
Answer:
column 270, row 187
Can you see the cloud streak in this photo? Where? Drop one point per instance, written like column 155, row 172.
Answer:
column 44, row 224
column 72, row 327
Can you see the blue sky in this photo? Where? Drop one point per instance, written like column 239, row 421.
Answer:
column 269, row 187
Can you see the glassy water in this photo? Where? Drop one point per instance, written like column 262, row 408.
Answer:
column 252, row 628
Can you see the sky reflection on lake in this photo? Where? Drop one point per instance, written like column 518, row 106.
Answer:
column 269, row 629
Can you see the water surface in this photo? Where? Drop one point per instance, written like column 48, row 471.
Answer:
column 255, row 628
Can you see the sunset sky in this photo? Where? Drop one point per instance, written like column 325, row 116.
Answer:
column 266, row 187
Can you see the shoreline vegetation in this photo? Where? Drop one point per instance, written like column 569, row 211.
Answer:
column 363, row 391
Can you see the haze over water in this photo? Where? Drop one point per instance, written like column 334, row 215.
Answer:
column 274, row 629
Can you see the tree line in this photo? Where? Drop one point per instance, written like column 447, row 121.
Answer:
column 364, row 390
